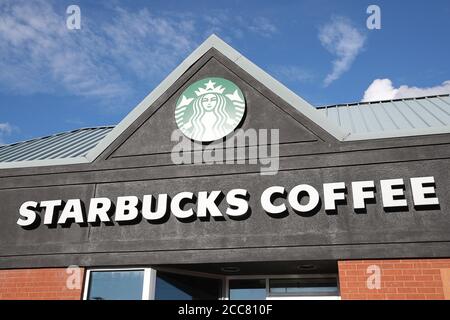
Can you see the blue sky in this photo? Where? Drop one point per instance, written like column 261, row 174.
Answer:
column 53, row 79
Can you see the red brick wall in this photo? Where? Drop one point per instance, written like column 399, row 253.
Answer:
column 34, row 284
column 400, row 279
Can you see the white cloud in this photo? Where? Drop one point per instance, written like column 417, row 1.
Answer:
column 343, row 41
column 292, row 73
column 262, row 26
column 5, row 129
column 39, row 54
column 106, row 57
column 383, row 89
column 227, row 23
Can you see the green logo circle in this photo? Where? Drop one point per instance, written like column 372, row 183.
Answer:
column 209, row 109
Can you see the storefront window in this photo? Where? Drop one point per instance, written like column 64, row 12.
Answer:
column 171, row 286
column 283, row 288
column 148, row 283
column 304, row 287
column 247, row 289
column 116, row 285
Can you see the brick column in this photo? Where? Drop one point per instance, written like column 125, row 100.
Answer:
column 37, row 284
column 424, row 279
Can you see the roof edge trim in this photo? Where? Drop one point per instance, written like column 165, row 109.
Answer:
column 350, row 104
column 397, row 133
column 43, row 163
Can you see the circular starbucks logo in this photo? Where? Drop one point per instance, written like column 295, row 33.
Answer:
column 209, row 109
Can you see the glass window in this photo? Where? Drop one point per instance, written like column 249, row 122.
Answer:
column 116, row 285
column 248, row 289
column 171, row 286
column 304, row 287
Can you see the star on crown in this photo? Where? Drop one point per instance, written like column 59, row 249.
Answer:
column 209, row 88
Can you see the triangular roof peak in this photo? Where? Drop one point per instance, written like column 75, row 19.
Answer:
column 215, row 42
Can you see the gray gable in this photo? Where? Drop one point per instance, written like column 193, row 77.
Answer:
column 152, row 131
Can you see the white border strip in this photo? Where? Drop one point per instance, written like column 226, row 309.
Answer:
column 42, row 163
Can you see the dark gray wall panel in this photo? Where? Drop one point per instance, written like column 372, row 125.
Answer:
column 327, row 233
column 17, row 240
column 346, row 227
column 304, row 253
column 142, row 170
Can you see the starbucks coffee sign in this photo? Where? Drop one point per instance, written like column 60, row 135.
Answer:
column 187, row 206
column 210, row 109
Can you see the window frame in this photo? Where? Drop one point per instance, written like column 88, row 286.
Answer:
column 272, row 296
column 150, row 274
column 148, row 283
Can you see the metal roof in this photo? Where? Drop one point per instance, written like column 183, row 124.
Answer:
column 362, row 120
column 392, row 118
column 76, row 143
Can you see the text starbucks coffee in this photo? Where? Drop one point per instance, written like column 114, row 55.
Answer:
column 303, row 199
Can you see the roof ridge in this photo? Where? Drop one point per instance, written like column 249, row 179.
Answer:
column 381, row 101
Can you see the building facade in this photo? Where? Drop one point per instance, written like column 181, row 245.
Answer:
column 339, row 202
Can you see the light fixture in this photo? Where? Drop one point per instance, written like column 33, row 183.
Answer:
column 230, row 269
column 307, row 267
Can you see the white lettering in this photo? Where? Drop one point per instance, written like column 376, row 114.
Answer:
column 331, row 196
column 175, row 205
column 126, row 209
column 100, row 212
column 360, row 195
column 27, row 213
column 240, row 204
column 419, row 191
column 374, row 20
column 161, row 208
column 72, row 210
column 266, row 202
column 313, row 196
column 73, row 21
column 207, row 203
column 302, row 198
column 389, row 194
column 49, row 210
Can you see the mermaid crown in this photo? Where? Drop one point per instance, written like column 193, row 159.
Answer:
column 209, row 88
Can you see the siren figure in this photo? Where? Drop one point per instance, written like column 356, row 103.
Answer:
column 210, row 116
column 209, row 113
